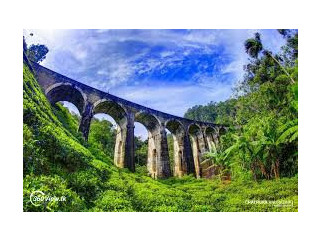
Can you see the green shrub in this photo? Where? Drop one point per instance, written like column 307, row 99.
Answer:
column 113, row 201
column 53, row 186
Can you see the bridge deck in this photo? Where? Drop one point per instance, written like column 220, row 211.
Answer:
column 37, row 67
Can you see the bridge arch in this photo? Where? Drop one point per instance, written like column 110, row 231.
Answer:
column 194, row 129
column 175, row 126
column 210, row 137
column 221, row 130
column 119, row 115
column 197, row 146
column 180, row 158
column 158, row 164
column 115, row 110
column 151, row 122
column 210, row 130
column 66, row 92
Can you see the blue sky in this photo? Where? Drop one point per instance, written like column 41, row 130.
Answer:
column 168, row 70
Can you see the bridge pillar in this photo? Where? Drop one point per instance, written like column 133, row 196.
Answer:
column 119, row 152
column 85, row 121
column 196, row 155
column 152, row 156
column 210, row 139
column 216, row 138
column 158, row 156
column 129, row 147
column 124, row 147
column 180, row 164
column 183, row 160
column 188, row 155
column 203, row 144
column 198, row 148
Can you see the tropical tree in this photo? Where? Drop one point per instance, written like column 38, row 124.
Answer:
column 253, row 46
column 141, row 151
column 265, row 110
column 37, row 53
column 289, row 131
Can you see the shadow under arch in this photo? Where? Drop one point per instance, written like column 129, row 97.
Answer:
column 153, row 126
column 66, row 92
column 194, row 129
column 180, row 156
column 211, row 138
column 113, row 109
column 175, row 126
column 197, row 146
column 221, row 130
column 119, row 115
column 151, row 122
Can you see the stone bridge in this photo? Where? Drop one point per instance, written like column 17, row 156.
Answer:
column 191, row 138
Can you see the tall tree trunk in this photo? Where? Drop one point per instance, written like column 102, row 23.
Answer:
column 285, row 71
column 253, row 169
column 263, row 170
column 277, row 169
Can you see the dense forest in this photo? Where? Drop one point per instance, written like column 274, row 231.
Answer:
column 258, row 152
column 262, row 142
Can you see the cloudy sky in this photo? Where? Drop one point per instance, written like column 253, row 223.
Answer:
column 168, row 70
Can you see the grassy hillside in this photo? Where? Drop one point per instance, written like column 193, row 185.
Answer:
column 57, row 162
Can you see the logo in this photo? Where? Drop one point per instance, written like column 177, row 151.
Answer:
column 38, row 197
column 276, row 203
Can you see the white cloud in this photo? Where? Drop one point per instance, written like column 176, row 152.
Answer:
column 102, row 59
column 140, row 131
column 167, row 54
column 174, row 99
column 201, row 37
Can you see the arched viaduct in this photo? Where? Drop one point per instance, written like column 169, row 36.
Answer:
column 191, row 138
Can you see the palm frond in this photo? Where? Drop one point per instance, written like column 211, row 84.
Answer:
column 289, row 135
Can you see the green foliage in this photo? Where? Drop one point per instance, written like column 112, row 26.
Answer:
column 290, row 50
column 57, row 162
column 253, row 46
column 290, row 132
column 220, row 113
column 47, row 144
column 171, row 151
column 37, row 53
column 70, row 121
column 141, row 152
column 264, row 141
column 51, row 186
column 102, row 138
column 113, row 201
